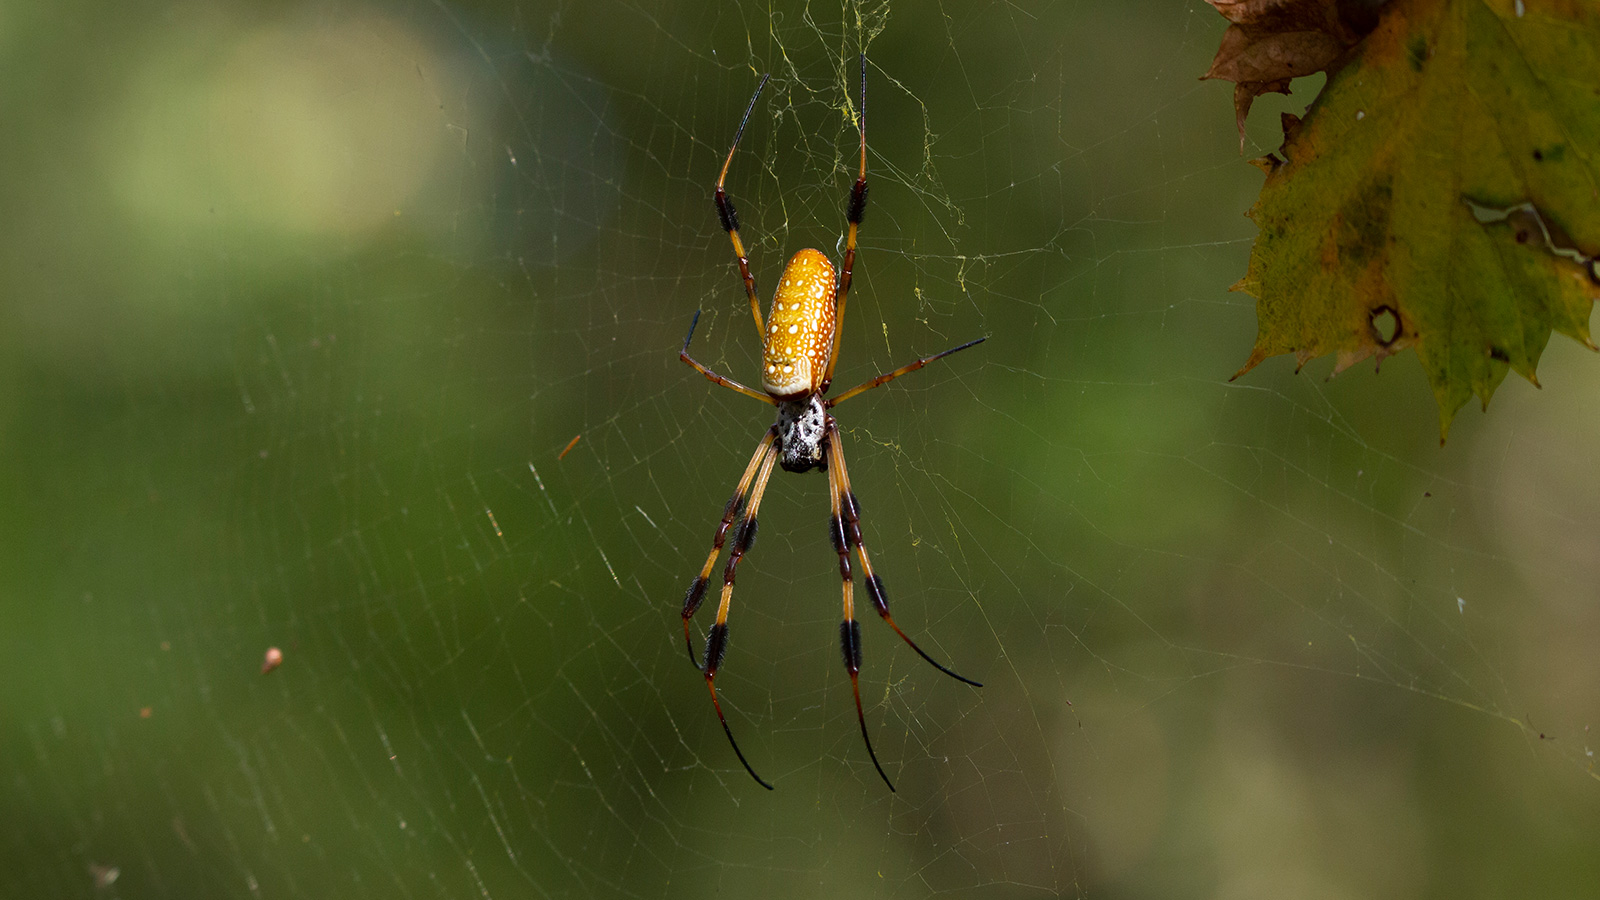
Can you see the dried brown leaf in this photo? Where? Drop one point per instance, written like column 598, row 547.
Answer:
column 1273, row 41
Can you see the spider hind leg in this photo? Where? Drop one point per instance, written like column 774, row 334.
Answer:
column 760, row 470
column 849, row 531
column 731, row 513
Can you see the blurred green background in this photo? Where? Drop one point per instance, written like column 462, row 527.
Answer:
column 302, row 301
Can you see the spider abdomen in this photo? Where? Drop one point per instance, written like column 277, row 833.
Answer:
column 794, row 351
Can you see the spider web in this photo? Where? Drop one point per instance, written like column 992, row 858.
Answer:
column 313, row 303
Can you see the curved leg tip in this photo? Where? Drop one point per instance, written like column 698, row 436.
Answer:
column 855, row 688
column 729, row 732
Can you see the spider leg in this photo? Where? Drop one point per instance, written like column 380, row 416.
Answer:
column 852, row 533
column 714, row 377
column 717, row 638
column 853, row 214
column 887, row 377
column 849, row 629
column 741, row 494
column 729, row 217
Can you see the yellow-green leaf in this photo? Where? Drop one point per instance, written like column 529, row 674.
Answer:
column 1443, row 193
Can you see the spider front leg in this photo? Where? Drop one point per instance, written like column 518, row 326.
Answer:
column 713, row 377
column 729, row 217
column 853, row 214
column 887, row 377
column 760, row 469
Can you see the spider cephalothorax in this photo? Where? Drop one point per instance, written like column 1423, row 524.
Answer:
column 802, row 427
column 799, row 346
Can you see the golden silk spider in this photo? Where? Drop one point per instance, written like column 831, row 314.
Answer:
column 799, row 346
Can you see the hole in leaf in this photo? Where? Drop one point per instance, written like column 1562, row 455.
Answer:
column 1417, row 52
column 1385, row 325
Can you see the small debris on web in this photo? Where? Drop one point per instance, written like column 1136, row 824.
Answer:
column 104, row 876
